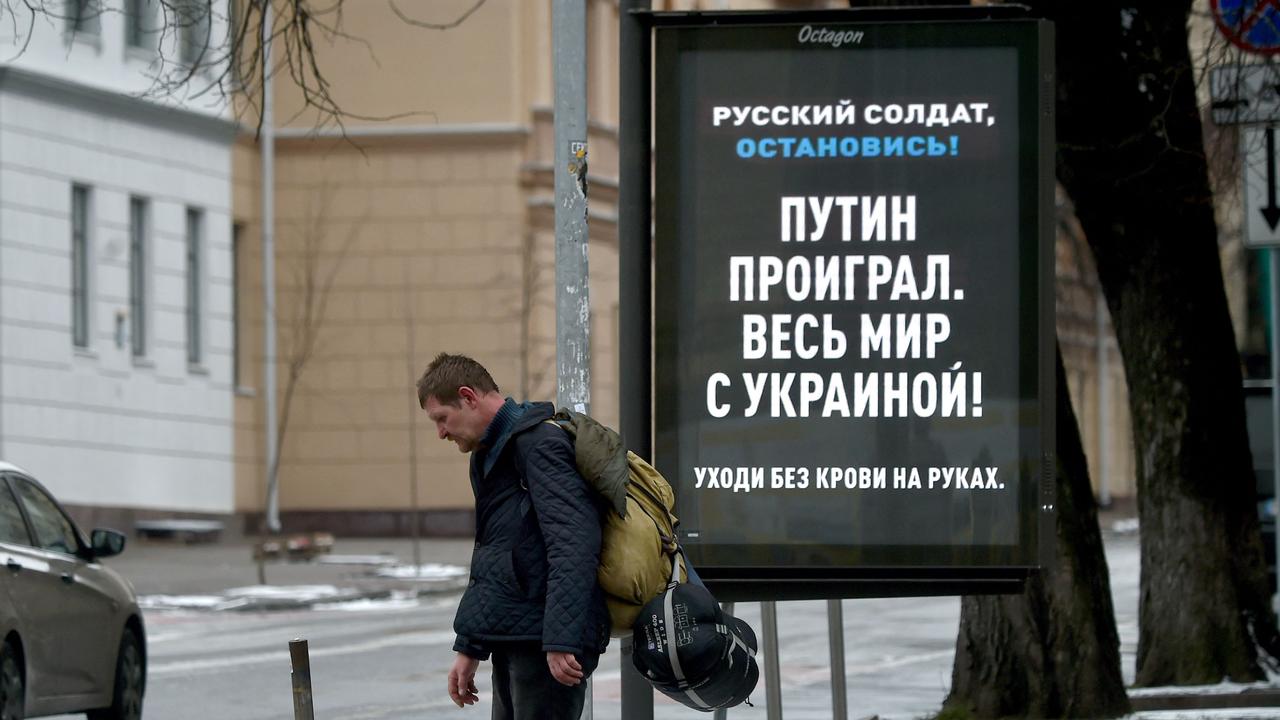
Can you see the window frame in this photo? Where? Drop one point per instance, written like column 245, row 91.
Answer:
column 237, row 244
column 195, row 285
column 81, row 266
column 139, row 278
column 140, row 26
column 195, row 19
column 83, row 17
column 235, row 15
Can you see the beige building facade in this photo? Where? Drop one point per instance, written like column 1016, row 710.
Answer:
column 429, row 231
column 429, row 227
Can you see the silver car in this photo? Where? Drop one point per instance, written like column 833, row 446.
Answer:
column 72, row 635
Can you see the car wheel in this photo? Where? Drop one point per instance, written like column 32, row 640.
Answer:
column 126, row 700
column 12, row 687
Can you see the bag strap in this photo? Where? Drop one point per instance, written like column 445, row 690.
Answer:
column 669, row 544
column 522, row 484
column 737, row 641
column 669, row 622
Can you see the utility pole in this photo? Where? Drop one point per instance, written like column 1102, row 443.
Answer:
column 269, row 273
column 573, row 302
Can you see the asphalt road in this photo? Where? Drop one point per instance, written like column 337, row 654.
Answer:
column 392, row 663
column 389, row 660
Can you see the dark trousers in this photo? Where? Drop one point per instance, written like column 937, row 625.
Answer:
column 523, row 688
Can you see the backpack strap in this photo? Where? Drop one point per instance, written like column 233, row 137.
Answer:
column 522, row 486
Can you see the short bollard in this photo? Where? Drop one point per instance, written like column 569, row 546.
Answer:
column 301, row 675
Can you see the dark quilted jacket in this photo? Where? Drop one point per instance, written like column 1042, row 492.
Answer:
column 533, row 571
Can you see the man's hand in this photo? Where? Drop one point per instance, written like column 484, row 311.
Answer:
column 462, row 680
column 564, row 667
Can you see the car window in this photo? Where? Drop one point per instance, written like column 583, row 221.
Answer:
column 13, row 529
column 52, row 529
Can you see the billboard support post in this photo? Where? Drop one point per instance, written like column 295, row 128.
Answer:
column 634, row 276
column 772, row 671
column 835, row 629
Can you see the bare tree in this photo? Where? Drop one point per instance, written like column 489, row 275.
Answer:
column 312, row 272
column 1141, row 189
column 1053, row 650
column 214, row 49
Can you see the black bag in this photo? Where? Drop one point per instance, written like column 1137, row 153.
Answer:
column 692, row 651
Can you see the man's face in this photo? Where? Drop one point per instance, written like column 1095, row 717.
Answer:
column 461, row 423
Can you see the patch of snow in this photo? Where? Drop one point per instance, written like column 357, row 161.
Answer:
column 180, row 602
column 1125, row 527
column 285, row 592
column 429, row 571
column 1225, row 687
column 1257, row 713
column 397, row 601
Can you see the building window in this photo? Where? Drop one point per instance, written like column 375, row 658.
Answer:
column 193, row 30
column 237, row 232
column 82, row 16
column 138, row 222
column 195, row 219
column 80, row 265
column 140, row 24
column 235, row 41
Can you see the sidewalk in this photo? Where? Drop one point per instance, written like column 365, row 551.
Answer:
column 224, row 575
column 1120, row 537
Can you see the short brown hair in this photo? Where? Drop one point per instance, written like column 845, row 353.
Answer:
column 447, row 373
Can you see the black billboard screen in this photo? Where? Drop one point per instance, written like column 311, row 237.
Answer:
column 851, row 346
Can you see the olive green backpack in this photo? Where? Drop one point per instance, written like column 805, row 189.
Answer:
column 638, row 539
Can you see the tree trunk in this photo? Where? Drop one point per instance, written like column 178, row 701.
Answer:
column 1053, row 650
column 1131, row 156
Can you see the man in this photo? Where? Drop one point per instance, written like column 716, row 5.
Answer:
column 532, row 602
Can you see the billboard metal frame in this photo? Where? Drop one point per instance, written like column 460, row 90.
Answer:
column 636, row 257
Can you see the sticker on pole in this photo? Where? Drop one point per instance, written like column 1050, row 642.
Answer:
column 1251, row 25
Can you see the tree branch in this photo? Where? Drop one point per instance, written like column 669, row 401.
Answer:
column 435, row 26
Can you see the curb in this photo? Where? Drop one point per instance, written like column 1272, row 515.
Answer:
column 382, row 591
column 378, row 590
column 1246, row 698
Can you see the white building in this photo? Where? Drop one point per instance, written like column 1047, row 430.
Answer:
column 116, row 266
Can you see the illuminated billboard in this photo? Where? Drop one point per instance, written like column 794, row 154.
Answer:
column 853, row 334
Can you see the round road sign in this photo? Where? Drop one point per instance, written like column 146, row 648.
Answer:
column 1251, row 25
